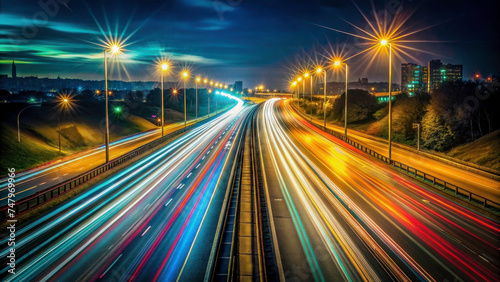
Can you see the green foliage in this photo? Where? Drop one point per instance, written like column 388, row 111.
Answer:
column 381, row 113
column 436, row 133
column 360, row 106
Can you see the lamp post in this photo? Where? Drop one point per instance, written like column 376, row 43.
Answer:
column 164, row 67
column 185, row 76
column 18, row 124
column 196, row 87
column 64, row 103
column 208, row 95
column 209, row 91
column 319, row 70
column 113, row 49
column 311, row 96
column 385, row 42
column 339, row 63
column 299, row 79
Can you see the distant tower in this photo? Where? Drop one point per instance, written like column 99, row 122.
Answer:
column 14, row 73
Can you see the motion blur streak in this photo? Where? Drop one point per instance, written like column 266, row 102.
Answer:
column 375, row 223
column 140, row 223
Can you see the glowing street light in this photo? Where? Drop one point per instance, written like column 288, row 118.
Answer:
column 384, row 42
column 64, row 103
column 164, row 67
column 185, row 75
column 113, row 49
column 338, row 63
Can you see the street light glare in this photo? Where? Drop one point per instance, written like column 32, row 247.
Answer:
column 383, row 41
column 337, row 63
column 319, row 70
column 185, row 74
column 164, row 66
column 198, row 79
column 306, row 74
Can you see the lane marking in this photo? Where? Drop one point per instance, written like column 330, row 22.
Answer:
column 168, row 202
column 189, row 175
column 146, row 231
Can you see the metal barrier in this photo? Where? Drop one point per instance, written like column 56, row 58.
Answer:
column 30, row 202
column 438, row 183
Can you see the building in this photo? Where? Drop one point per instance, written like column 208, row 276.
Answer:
column 413, row 78
column 439, row 73
column 14, row 71
column 238, row 86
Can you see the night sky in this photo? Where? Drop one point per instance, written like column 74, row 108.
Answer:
column 254, row 41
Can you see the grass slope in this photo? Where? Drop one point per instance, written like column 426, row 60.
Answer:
column 485, row 151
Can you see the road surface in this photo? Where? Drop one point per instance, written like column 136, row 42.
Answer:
column 143, row 222
column 481, row 185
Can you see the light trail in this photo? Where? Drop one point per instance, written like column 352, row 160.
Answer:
column 137, row 211
column 375, row 223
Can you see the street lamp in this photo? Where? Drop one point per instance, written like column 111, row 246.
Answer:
column 198, row 79
column 164, row 67
column 338, row 63
column 208, row 95
column 18, row 124
column 115, row 49
column 384, row 42
column 320, row 70
column 306, row 75
column 185, row 75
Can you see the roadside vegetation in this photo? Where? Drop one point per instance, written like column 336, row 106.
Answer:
column 460, row 119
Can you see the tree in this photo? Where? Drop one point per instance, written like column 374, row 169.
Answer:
column 360, row 106
column 436, row 134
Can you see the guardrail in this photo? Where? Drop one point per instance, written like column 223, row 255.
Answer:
column 435, row 182
column 30, row 202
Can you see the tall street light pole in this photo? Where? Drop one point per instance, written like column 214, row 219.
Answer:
column 339, row 63
column 114, row 49
column 65, row 102
column 311, row 96
column 319, row 70
column 196, row 87
column 185, row 75
column 164, row 67
column 18, row 123
column 385, row 42
column 209, row 92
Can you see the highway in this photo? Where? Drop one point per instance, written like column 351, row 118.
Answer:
column 34, row 180
column 142, row 223
column 481, row 185
column 339, row 215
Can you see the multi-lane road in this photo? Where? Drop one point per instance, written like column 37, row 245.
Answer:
column 335, row 213
column 339, row 215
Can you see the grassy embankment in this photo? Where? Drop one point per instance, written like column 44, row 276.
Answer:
column 82, row 127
